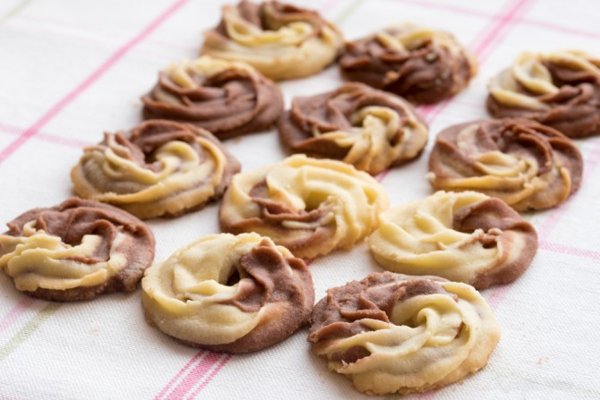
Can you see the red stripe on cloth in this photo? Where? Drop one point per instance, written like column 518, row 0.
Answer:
column 179, row 374
column 114, row 58
column 569, row 250
column 555, row 215
column 198, row 372
column 486, row 41
column 13, row 315
column 214, row 373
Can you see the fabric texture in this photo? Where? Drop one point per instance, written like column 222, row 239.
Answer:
column 72, row 70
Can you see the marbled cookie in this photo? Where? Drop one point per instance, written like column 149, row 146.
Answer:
column 308, row 205
column 76, row 250
column 392, row 333
column 158, row 168
column 229, row 293
column 368, row 128
column 281, row 40
column 464, row 236
column 227, row 98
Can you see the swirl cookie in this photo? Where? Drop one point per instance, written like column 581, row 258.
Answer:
column 392, row 333
column 76, row 251
column 560, row 89
column 229, row 293
column 280, row 40
column 365, row 127
column 467, row 237
column 227, row 98
column 158, row 168
column 420, row 64
column 309, row 206
column 524, row 163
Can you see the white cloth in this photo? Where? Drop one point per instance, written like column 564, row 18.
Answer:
column 72, row 69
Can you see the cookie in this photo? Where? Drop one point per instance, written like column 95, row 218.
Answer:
column 368, row 128
column 392, row 333
column 420, row 64
column 76, row 250
column 308, row 205
column 524, row 163
column 227, row 98
column 281, row 40
column 560, row 89
column 158, row 168
column 229, row 293
column 466, row 236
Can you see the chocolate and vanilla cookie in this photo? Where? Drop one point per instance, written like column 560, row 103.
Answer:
column 524, row 163
column 227, row 98
column 560, row 89
column 392, row 333
column 420, row 64
column 76, row 250
column 229, row 293
column 311, row 206
column 368, row 128
column 281, row 40
column 462, row 236
column 158, row 168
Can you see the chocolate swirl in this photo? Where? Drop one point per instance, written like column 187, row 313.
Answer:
column 467, row 237
column 392, row 333
column 280, row 40
column 227, row 98
column 76, row 251
column 158, row 168
column 365, row 127
column 229, row 293
column 420, row 64
column 309, row 206
column 526, row 164
column 560, row 89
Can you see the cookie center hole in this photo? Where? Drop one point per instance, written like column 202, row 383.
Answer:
column 234, row 278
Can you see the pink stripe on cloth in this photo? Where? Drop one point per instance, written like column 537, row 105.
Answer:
column 13, row 315
column 114, row 58
column 210, row 377
column 555, row 215
column 569, row 250
column 198, row 372
column 182, row 371
column 486, row 41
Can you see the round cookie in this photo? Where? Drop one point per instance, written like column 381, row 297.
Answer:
column 158, row 168
column 280, row 40
column 524, row 163
column 227, row 98
column 229, row 293
column 392, row 333
column 76, row 250
column 560, row 89
column 420, row 64
column 308, row 205
column 368, row 128
column 466, row 236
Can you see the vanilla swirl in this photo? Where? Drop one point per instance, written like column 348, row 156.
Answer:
column 159, row 168
column 229, row 293
column 421, row 64
column 76, row 251
column 526, row 164
column 227, row 98
column 309, row 206
column 560, row 89
column 467, row 237
column 365, row 127
column 280, row 40
column 393, row 333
